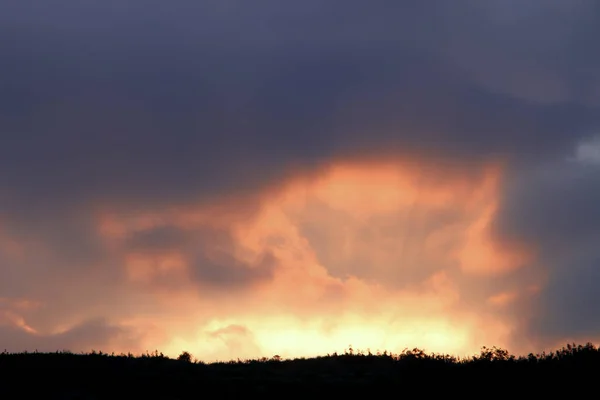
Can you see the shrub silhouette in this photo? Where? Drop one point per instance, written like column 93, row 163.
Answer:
column 153, row 375
column 185, row 356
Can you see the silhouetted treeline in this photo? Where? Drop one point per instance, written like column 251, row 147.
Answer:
column 493, row 373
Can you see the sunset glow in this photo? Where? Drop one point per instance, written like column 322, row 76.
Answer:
column 358, row 258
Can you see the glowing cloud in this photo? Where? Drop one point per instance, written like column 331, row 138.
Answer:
column 363, row 254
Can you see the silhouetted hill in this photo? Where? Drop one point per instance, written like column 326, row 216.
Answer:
column 493, row 373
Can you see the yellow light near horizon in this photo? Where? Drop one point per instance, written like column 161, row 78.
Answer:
column 300, row 340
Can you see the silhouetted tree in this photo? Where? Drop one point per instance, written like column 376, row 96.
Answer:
column 185, row 356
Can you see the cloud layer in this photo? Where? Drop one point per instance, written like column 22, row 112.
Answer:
column 240, row 179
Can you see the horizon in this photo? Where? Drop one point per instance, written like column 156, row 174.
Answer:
column 486, row 353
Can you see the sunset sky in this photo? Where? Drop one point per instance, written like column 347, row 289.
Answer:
column 240, row 179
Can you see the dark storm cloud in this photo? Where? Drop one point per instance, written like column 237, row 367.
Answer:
column 557, row 203
column 570, row 305
column 148, row 103
column 104, row 100
column 556, row 207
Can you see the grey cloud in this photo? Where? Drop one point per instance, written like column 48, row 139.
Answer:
column 226, row 272
column 570, row 305
column 157, row 239
column 57, row 246
column 556, row 203
column 555, row 209
column 534, row 50
column 110, row 101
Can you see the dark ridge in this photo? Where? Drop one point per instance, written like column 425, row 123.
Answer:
column 493, row 373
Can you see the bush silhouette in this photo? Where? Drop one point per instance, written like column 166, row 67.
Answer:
column 153, row 375
column 185, row 356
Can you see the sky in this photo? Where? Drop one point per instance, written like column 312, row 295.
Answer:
column 243, row 179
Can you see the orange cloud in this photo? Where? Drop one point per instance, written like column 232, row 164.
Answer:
column 368, row 254
column 11, row 310
column 503, row 298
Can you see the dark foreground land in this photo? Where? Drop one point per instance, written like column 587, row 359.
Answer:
column 572, row 372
